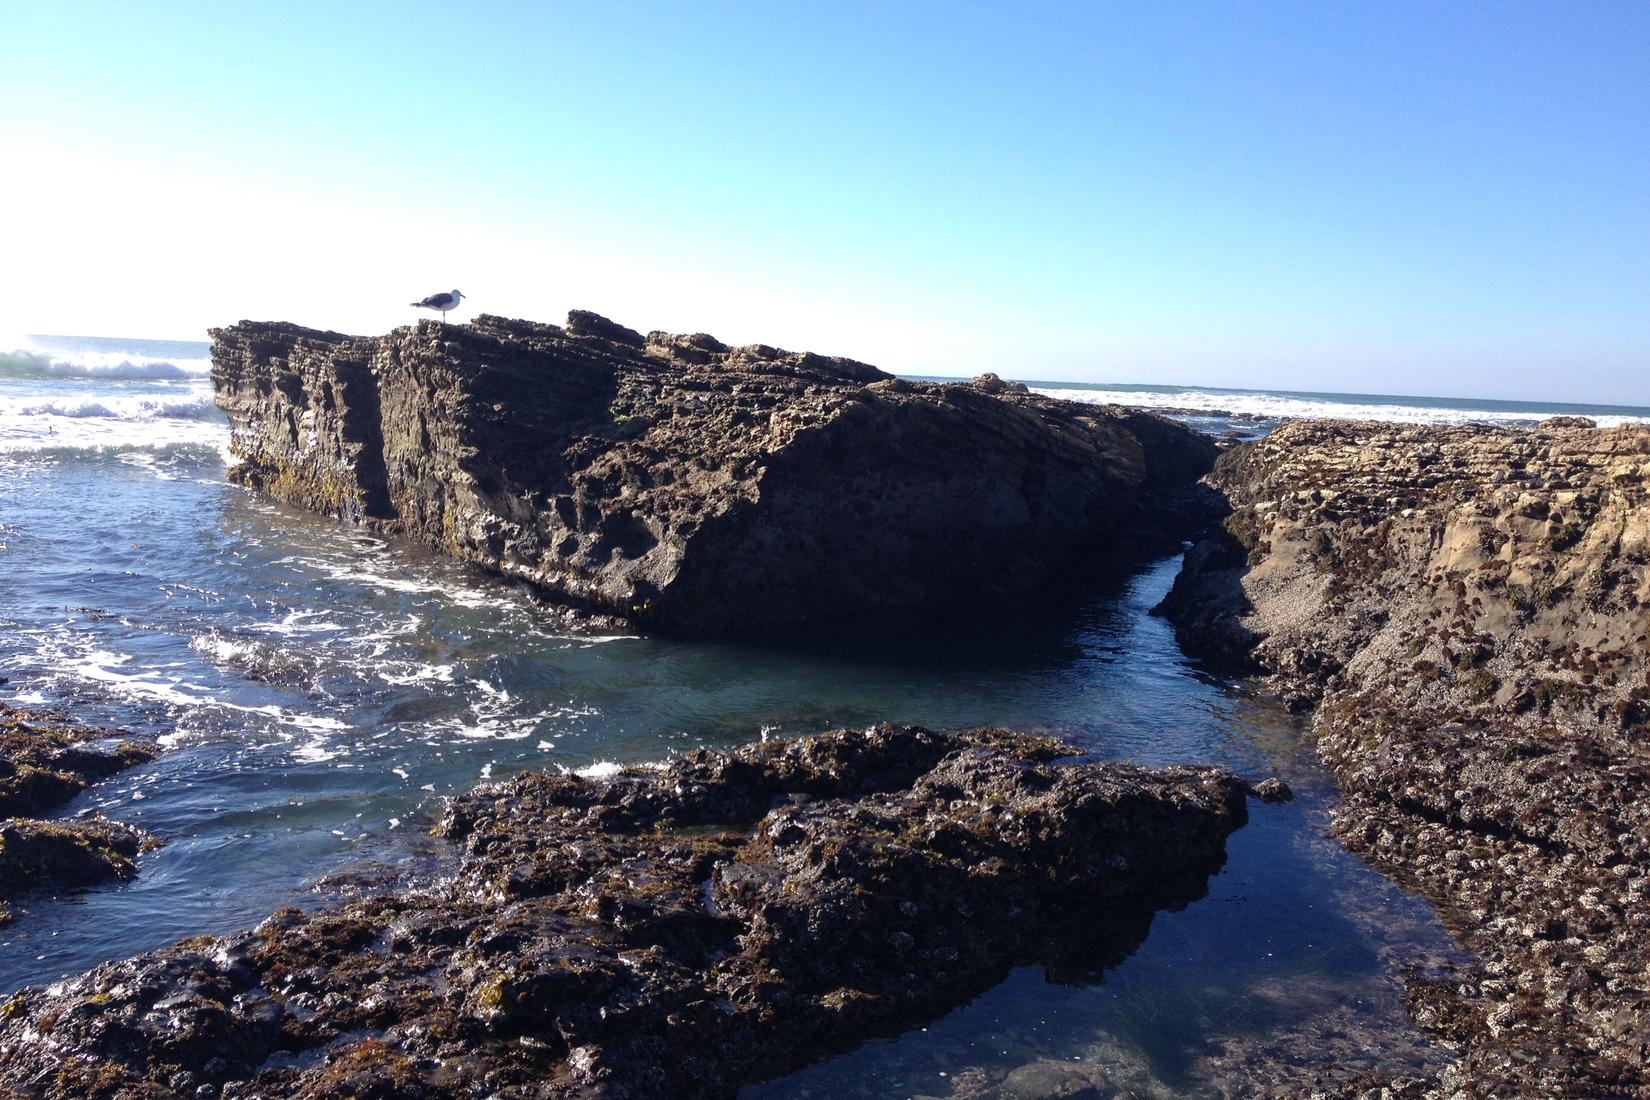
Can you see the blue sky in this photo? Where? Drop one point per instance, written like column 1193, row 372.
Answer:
column 1401, row 198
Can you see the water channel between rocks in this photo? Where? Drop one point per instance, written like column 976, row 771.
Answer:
column 319, row 691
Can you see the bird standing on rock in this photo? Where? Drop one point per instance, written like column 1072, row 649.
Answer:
column 442, row 302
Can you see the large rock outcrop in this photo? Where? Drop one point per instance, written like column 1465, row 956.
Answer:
column 1468, row 609
column 728, row 919
column 692, row 486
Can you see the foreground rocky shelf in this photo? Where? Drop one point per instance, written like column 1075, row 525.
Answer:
column 45, row 760
column 724, row 920
column 1468, row 610
column 690, row 486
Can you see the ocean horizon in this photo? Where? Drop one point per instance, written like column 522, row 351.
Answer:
column 60, row 392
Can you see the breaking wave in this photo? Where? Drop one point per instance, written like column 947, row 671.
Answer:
column 78, row 422
column 183, row 406
column 1277, row 406
column 26, row 363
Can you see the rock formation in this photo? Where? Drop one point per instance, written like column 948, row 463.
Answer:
column 45, row 760
column 692, row 486
column 728, row 919
column 1468, row 609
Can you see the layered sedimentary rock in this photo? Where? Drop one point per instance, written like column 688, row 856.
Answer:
column 728, row 919
column 45, row 760
column 689, row 485
column 1468, row 609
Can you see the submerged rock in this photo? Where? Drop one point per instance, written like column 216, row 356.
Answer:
column 727, row 919
column 1045, row 1079
column 1468, row 609
column 691, row 486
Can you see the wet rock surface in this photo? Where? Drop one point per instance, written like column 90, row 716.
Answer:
column 1468, row 610
column 686, row 485
column 723, row 920
column 64, row 854
column 46, row 759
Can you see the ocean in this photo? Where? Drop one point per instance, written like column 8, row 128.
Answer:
column 319, row 690
column 1251, row 413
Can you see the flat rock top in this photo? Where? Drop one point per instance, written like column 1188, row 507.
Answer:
column 1434, row 463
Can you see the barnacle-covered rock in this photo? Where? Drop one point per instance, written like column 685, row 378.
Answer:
column 673, row 933
column 1468, row 609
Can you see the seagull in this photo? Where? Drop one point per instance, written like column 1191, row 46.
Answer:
column 442, row 302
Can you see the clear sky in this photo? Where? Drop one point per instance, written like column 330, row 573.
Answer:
column 1425, row 198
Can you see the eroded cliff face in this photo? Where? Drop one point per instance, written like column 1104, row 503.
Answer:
column 692, row 486
column 1469, row 610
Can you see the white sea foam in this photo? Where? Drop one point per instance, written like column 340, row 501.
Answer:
column 372, row 655
column 497, row 717
column 258, row 658
column 112, row 422
column 492, row 716
column 185, row 405
column 1279, row 406
column 160, row 463
column 314, row 752
column 607, row 769
column 408, row 673
column 375, row 580
column 296, row 623
column 224, row 650
column 99, row 666
column 489, row 729
column 367, row 571
column 32, row 361
column 73, row 660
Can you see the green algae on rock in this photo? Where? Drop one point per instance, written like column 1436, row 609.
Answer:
column 65, row 854
column 44, row 762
